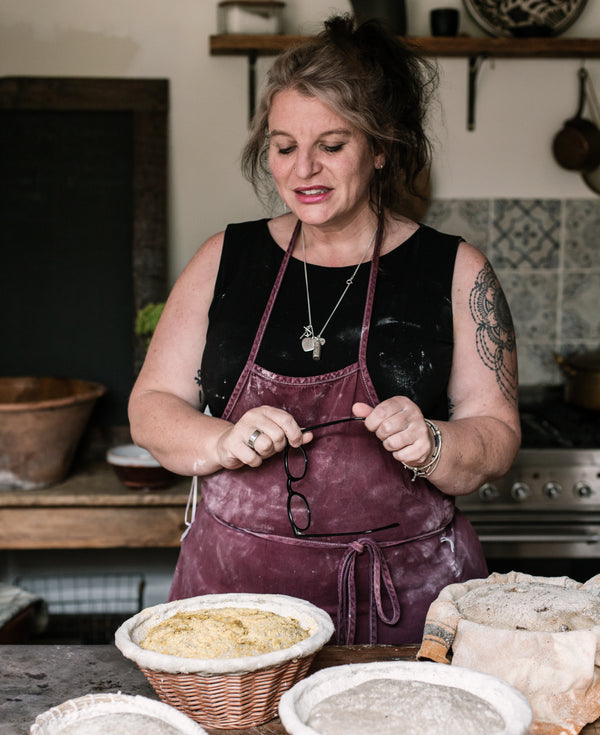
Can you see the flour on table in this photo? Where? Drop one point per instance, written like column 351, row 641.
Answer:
column 532, row 606
column 392, row 706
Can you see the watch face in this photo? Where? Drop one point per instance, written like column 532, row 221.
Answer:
column 525, row 19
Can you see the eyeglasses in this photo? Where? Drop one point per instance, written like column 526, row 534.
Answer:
column 300, row 530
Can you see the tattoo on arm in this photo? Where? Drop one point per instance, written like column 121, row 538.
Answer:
column 495, row 335
column 201, row 396
column 450, row 407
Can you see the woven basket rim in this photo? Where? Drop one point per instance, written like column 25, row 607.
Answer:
column 78, row 710
column 311, row 617
column 296, row 704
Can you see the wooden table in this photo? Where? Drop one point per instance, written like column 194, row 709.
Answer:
column 36, row 678
column 92, row 509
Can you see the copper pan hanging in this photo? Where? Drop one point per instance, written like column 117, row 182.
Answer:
column 577, row 146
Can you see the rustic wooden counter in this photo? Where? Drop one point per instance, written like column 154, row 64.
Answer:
column 36, row 678
column 92, row 509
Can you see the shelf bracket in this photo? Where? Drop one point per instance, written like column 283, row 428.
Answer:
column 475, row 63
column 252, row 56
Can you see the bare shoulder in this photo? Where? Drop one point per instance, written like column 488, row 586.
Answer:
column 203, row 266
column 470, row 261
column 281, row 229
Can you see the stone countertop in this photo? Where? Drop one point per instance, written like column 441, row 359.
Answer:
column 36, row 678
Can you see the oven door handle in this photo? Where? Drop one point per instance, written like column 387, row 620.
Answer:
column 540, row 538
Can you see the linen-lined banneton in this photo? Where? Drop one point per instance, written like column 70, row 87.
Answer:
column 558, row 672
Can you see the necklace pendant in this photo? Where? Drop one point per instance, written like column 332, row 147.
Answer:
column 316, row 349
column 308, row 338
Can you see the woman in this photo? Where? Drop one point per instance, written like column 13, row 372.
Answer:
column 341, row 307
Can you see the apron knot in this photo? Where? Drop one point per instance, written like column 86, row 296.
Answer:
column 378, row 573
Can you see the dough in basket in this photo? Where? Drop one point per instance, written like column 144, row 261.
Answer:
column 529, row 605
column 390, row 706
column 223, row 633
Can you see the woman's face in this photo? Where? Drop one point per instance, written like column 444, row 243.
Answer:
column 322, row 165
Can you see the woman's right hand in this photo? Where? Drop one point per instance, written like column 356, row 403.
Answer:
column 267, row 429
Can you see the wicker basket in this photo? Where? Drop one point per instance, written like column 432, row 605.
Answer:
column 226, row 693
column 86, row 714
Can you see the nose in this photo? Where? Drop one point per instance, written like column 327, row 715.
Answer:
column 306, row 164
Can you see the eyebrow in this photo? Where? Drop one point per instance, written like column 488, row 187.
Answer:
column 335, row 131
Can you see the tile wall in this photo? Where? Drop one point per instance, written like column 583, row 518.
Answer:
column 546, row 253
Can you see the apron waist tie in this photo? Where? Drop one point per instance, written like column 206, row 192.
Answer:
column 379, row 572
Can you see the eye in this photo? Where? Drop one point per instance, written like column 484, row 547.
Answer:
column 333, row 148
column 285, row 151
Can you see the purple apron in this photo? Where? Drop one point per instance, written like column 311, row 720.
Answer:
column 378, row 585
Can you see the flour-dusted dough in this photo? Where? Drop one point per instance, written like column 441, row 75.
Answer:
column 223, row 633
column 114, row 714
column 119, row 723
column 534, row 606
column 390, row 706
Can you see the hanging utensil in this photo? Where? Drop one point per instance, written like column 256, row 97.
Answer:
column 577, row 146
column 592, row 177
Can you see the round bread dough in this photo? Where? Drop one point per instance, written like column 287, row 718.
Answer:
column 119, row 723
column 224, row 632
column 392, row 706
column 534, row 606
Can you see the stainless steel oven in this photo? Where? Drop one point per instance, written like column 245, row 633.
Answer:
column 543, row 517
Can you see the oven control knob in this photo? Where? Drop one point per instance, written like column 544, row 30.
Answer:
column 488, row 492
column 520, row 491
column 552, row 490
column 582, row 490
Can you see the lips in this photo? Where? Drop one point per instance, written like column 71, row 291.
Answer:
column 312, row 193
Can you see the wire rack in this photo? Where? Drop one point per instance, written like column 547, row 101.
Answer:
column 86, row 608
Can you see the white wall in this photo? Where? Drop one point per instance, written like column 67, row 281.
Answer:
column 521, row 104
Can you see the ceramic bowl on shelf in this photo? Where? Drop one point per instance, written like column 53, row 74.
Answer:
column 137, row 468
column 526, row 18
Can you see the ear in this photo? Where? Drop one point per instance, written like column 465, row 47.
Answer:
column 379, row 161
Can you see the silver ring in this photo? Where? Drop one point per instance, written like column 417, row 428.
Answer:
column 253, row 437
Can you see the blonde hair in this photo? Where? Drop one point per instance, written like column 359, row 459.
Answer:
column 370, row 78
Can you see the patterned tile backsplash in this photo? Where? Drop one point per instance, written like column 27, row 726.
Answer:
column 546, row 253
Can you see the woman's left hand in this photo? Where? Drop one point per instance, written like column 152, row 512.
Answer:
column 399, row 424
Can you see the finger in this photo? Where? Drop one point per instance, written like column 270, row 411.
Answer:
column 361, row 409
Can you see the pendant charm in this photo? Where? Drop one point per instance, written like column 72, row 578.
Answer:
column 313, row 344
column 316, row 349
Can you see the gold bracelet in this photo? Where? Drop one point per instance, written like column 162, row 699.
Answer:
column 426, row 469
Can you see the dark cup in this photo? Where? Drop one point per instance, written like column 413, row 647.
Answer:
column 391, row 12
column 444, row 21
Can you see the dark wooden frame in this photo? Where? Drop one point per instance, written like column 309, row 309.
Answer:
column 148, row 101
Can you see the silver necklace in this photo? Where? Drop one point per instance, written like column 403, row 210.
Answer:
column 310, row 340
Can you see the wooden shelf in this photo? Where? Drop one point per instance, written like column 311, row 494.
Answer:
column 456, row 46
column 475, row 49
column 92, row 509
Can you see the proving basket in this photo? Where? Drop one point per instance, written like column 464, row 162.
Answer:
column 556, row 668
column 365, row 713
column 226, row 692
column 114, row 713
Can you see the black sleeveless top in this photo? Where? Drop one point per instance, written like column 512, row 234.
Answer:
column 409, row 351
